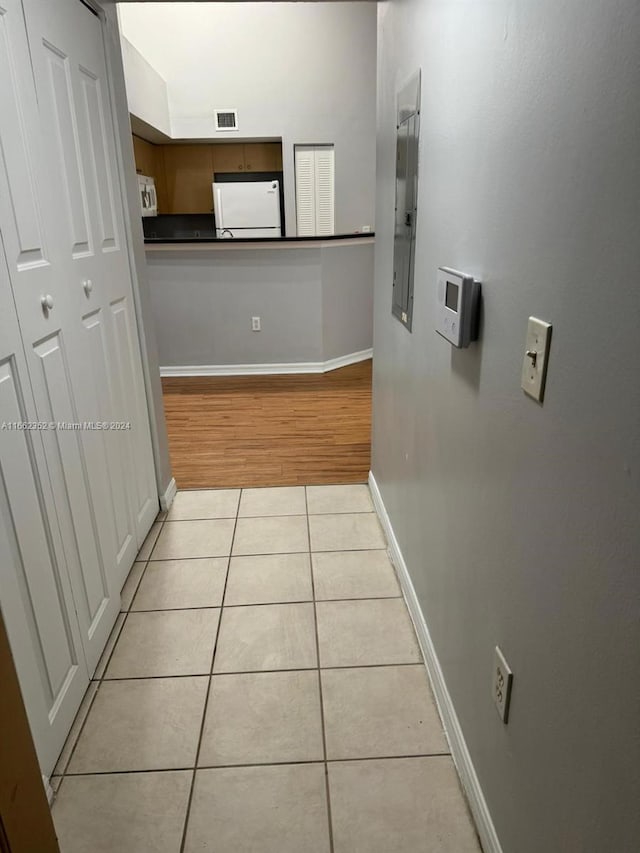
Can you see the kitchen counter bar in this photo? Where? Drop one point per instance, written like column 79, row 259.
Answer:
column 313, row 301
column 189, row 245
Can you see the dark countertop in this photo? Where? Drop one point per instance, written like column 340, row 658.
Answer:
column 171, row 240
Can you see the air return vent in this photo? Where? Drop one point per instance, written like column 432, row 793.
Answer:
column 226, row 120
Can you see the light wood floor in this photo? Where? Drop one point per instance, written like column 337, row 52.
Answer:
column 236, row 431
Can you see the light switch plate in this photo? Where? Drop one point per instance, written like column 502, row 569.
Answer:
column 536, row 357
column 501, row 684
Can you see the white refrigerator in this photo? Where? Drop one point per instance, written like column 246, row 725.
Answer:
column 247, row 209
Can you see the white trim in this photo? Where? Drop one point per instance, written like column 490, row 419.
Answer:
column 166, row 498
column 453, row 731
column 266, row 369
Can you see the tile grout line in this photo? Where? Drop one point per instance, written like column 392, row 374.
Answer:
column 269, row 515
column 266, row 553
column 108, row 661
column 286, row 763
column 255, row 488
column 261, row 671
column 322, row 724
column 260, row 603
column 187, row 815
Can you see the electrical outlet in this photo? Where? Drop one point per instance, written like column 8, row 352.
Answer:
column 255, row 324
column 501, row 684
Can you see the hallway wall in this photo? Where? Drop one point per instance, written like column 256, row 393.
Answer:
column 519, row 522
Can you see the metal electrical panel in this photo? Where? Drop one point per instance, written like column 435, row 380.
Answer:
column 407, row 134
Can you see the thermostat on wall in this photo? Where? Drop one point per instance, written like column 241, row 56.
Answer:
column 458, row 305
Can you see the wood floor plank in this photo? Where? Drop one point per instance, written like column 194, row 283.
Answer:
column 232, row 431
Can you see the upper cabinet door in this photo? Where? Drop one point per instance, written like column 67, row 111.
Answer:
column 263, row 156
column 189, row 174
column 145, row 156
column 228, row 157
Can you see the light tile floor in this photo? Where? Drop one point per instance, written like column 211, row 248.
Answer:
column 261, row 691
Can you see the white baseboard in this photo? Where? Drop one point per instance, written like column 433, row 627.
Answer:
column 459, row 750
column 266, row 369
column 166, row 498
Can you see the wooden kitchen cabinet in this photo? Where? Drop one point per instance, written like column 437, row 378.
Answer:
column 188, row 171
column 149, row 160
column 184, row 173
column 228, row 157
column 145, row 156
column 263, row 156
column 247, row 157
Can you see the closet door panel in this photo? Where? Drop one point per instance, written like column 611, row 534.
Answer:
column 103, row 181
column 35, row 591
column 99, row 356
column 82, row 234
column 77, row 34
column 68, row 451
column 65, row 153
column 60, row 371
column 116, row 295
column 126, row 366
column 16, row 157
column 133, row 405
column 46, row 609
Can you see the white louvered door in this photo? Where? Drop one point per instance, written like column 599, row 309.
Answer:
column 324, row 189
column 315, row 189
column 305, row 191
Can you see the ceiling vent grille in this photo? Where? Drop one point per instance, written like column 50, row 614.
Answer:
column 226, row 120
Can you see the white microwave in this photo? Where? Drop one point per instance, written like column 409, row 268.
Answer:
column 148, row 197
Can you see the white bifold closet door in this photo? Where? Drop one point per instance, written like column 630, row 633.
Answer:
column 35, row 590
column 67, row 51
column 61, row 219
column 315, row 190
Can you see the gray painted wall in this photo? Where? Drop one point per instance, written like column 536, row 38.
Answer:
column 520, row 523
column 314, row 303
column 301, row 71
column 347, row 299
